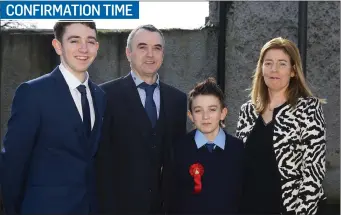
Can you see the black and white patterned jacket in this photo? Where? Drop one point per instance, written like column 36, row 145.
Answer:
column 299, row 143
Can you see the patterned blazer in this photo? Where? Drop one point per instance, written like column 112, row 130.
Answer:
column 299, row 143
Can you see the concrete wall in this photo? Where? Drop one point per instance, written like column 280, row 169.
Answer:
column 251, row 24
column 191, row 56
column 24, row 56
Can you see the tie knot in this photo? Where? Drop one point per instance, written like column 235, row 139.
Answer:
column 82, row 89
column 210, row 146
column 148, row 88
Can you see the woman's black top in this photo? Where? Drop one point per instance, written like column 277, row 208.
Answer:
column 262, row 186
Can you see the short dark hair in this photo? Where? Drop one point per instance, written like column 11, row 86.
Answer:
column 60, row 26
column 207, row 87
column 148, row 27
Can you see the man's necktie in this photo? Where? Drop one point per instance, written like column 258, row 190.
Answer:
column 85, row 109
column 210, row 146
column 150, row 106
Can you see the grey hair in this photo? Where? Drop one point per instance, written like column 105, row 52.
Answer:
column 147, row 27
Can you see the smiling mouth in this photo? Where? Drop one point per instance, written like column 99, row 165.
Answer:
column 82, row 58
column 274, row 78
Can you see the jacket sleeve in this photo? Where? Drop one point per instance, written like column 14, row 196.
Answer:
column 313, row 135
column 18, row 145
column 239, row 122
column 243, row 126
column 105, row 164
column 183, row 116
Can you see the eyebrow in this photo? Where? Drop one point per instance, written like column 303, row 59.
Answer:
column 278, row 60
column 78, row 37
column 202, row 107
column 144, row 44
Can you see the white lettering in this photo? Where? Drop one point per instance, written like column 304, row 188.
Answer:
column 16, row 8
column 7, row 10
column 50, row 10
column 67, row 10
column 35, row 9
column 107, row 9
column 86, row 10
column 128, row 9
column 57, row 9
column 96, row 10
column 74, row 6
column 47, row 9
column 119, row 9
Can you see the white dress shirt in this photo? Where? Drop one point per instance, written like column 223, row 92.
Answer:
column 73, row 83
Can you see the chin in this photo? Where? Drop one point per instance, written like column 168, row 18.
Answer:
column 276, row 88
column 83, row 68
column 206, row 130
column 150, row 71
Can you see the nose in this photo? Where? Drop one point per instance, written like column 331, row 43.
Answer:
column 150, row 52
column 206, row 115
column 83, row 47
column 274, row 67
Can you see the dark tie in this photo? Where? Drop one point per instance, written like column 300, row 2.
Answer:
column 85, row 109
column 150, row 106
column 210, row 146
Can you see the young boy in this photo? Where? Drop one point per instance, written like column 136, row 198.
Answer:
column 208, row 161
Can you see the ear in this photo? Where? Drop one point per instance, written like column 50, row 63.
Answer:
column 97, row 46
column 190, row 116
column 128, row 54
column 57, row 46
column 223, row 114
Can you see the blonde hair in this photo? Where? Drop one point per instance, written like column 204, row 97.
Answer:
column 297, row 85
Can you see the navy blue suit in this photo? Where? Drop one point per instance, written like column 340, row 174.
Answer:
column 48, row 161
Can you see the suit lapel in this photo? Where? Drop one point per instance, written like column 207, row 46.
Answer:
column 166, row 106
column 133, row 102
column 67, row 105
column 65, row 96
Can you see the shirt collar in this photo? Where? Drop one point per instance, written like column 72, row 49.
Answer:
column 138, row 80
column 71, row 80
column 219, row 140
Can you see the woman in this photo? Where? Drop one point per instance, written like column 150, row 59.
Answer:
column 283, row 130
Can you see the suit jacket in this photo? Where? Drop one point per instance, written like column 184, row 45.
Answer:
column 131, row 166
column 48, row 161
column 299, row 143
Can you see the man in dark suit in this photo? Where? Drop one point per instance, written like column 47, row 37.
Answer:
column 143, row 117
column 53, row 132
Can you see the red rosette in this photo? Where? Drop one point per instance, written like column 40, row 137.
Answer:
column 196, row 171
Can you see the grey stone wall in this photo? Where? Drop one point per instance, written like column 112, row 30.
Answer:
column 24, row 56
column 251, row 24
column 323, row 74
